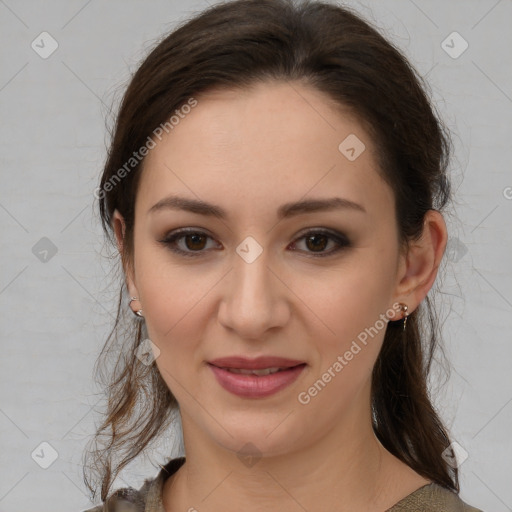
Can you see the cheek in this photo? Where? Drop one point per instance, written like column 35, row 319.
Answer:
column 351, row 297
column 351, row 302
column 176, row 317
column 170, row 296
column 169, row 291
column 347, row 341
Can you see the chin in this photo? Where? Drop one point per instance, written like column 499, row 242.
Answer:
column 258, row 440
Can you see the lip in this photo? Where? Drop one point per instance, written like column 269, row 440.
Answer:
column 254, row 386
column 258, row 363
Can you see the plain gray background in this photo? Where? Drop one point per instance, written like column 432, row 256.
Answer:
column 56, row 307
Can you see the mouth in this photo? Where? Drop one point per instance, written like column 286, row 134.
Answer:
column 260, row 372
column 270, row 364
column 257, row 378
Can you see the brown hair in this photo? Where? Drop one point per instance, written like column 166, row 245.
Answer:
column 235, row 44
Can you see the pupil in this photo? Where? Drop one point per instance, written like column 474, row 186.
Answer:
column 318, row 242
column 196, row 239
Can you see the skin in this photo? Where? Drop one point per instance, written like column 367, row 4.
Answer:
column 288, row 302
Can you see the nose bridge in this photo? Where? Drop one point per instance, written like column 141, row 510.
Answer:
column 253, row 301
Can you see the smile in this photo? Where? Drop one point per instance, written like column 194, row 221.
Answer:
column 256, row 383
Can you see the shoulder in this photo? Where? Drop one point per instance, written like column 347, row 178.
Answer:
column 432, row 498
column 146, row 499
column 125, row 500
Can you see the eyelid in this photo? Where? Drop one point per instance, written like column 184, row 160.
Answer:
column 341, row 239
column 169, row 240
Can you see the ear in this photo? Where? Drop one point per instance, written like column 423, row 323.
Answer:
column 420, row 261
column 119, row 228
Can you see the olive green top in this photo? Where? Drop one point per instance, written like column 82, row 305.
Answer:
column 429, row 498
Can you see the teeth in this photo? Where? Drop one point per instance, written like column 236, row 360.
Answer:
column 263, row 371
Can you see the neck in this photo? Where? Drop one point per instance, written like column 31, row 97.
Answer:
column 347, row 469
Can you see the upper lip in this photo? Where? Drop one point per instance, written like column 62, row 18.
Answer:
column 244, row 363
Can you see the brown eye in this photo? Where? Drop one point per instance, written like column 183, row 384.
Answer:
column 320, row 242
column 189, row 242
column 195, row 242
column 317, row 242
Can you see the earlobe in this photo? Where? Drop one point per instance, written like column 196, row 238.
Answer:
column 422, row 261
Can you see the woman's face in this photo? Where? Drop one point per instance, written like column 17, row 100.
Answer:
column 263, row 275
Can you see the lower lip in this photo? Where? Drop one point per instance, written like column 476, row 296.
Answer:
column 254, row 386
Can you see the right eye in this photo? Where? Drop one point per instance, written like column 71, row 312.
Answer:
column 188, row 242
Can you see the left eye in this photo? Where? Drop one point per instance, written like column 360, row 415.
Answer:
column 316, row 243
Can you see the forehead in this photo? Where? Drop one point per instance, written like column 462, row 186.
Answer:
column 266, row 144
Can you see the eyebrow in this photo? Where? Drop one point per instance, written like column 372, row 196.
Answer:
column 284, row 211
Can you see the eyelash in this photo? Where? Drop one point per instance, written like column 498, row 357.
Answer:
column 170, row 241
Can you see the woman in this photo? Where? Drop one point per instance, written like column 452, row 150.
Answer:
column 274, row 187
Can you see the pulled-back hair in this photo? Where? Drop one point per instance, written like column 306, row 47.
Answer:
column 330, row 48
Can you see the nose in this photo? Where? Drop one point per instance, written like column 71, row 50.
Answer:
column 254, row 300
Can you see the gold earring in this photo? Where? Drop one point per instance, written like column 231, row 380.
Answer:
column 139, row 312
column 404, row 308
